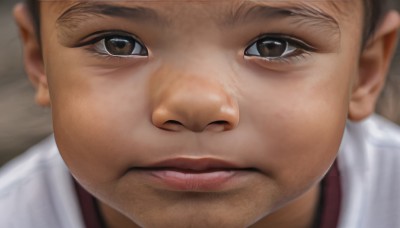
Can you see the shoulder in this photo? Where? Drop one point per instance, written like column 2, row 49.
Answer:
column 29, row 165
column 36, row 190
column 369, row 161
column 372, row 145
column 381, row 133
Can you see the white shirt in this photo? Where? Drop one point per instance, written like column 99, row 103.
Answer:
column 36, row 189
column 369, row 163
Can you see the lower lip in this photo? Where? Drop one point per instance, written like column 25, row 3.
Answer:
column 195, row 182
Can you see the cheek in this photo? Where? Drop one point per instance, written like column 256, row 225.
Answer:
column 95, row 114
column 299, row 120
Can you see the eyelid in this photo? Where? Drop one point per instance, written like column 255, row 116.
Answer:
column 289, row 50
column 95, row 44
column 291, row 39
column 99, row 35
column 299, row 51
column 100, row 47
column 296, row 51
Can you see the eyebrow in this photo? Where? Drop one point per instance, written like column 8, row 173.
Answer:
column 301, row 13
column 79, row 12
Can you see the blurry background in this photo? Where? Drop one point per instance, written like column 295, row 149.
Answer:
column 23, row 124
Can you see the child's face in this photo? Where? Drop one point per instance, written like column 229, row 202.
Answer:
column 254, row 93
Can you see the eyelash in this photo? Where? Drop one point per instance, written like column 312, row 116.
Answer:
column 300, row 52
column 97, row 45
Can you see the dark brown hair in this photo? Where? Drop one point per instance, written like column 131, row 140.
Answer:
column 34, row 9
column 374, row 11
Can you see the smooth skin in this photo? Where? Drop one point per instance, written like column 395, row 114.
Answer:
column 197, row 93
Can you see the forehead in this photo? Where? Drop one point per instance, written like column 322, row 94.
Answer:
column 336, row 8
column 326, row 14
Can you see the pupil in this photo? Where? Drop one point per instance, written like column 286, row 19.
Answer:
column 119, row 46
column 271, row 48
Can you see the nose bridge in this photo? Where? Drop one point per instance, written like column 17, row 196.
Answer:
column 185, row 101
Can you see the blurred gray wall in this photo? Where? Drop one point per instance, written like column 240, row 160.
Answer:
column 22, row 123
column 389, row 103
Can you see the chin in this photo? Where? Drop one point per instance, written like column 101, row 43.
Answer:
column 202, row 210
column 197, row 221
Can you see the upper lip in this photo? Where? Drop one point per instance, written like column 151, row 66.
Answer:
column 193, row 164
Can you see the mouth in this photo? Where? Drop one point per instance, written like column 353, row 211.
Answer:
column 195, row 175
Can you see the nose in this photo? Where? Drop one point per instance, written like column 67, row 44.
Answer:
column 196, row 105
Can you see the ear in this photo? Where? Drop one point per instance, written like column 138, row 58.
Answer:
column 32, row 54
column 373, row 67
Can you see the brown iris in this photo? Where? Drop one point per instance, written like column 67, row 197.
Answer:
column 120, row 45
column 271, row 47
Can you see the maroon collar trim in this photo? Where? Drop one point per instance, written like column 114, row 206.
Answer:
column 89, row 207
column 331, row 196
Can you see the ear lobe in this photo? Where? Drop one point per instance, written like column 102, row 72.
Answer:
column 374, row 64
column 32, row 54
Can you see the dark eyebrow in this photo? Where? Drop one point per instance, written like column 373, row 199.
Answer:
column 78, row 13
column 300, row 13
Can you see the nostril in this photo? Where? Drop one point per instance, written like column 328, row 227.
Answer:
column 173, row 122
column 172, row 125
column 218, row 126
column 219, row 122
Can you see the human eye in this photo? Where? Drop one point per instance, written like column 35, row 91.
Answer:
column 276, row 48
column 118, row 45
